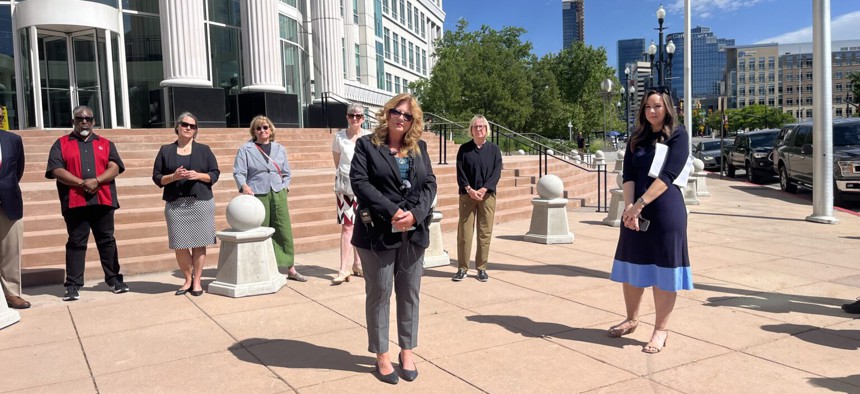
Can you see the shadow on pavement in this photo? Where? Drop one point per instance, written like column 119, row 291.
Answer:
column 837, row 338
column 775, row 302
column 793, row 219
column 535, row 329
column 834, row 385
column 761, row 191
column 292, row 354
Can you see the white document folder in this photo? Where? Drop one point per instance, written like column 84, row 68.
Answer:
column 660, row 160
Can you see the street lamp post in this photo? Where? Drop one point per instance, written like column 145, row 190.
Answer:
column 661, row 64
column 606, row 90
column 569, row 131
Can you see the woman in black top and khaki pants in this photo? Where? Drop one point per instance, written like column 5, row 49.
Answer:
column 187, row 170
column 479, row 167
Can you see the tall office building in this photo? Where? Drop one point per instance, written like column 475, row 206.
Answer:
column 629, row 51
column 780, row 75
column 140, row 63
column 708, row 60
column 572, row 21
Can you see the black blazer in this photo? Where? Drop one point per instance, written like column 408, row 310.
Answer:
column 11, row 171
column 202, row 160
column 375, row 179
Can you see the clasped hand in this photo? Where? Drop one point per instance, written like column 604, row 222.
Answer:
column 402, row 220
column 477, row 195
column 630, row 217
column 90, row 185
column 182, row 173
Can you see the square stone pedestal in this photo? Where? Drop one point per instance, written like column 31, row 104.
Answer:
column 616, row 208
column 549, row 222
column 436, row 255
column 8, row 316
column 246, row 264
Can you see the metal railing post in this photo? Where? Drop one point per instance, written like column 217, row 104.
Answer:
column 441, row 141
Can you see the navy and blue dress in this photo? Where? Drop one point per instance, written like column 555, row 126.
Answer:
column 657, row 257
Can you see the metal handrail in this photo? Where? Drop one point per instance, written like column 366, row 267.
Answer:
column 324, row 96
column 446, row 128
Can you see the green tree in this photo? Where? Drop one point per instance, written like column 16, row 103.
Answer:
column 549, row 116
column 484, row 71
column 854, row 88
column 579, row 69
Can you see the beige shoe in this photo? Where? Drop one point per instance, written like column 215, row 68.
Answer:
column 341, row 277
column 357, row 270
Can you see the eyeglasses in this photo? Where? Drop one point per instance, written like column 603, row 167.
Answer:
column 264, row 127
column 395, row 112
column 354, row 116
column 187, row 125
column 479, row 126
column 88, row 119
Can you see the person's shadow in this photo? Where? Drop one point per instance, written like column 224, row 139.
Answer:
column 288, row 353
column 537, row 329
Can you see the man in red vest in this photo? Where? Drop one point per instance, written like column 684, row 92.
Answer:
column 85, row 166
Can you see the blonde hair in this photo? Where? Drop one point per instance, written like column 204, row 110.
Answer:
column 476, row 119
column 258, row 120
column 412, row 136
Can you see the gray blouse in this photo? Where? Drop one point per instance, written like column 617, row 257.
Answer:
column 252, row 168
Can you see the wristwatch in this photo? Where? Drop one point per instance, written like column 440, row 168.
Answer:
column 641, row 201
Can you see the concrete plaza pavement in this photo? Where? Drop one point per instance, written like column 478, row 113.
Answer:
column 764, row 317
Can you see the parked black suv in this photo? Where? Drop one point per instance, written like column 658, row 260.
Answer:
column 792, row 157
column 751, row 152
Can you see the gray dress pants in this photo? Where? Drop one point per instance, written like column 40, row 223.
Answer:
column 401, row 269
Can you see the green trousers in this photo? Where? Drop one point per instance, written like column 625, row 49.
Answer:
column 278, row 217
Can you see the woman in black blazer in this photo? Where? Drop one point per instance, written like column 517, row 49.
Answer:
column 187, row 170
column 395, row 187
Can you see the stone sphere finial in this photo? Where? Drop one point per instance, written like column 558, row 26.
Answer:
column 620, row 154
column 550, row 187
column 245, row 212
column 698, row 165
column 521, row 152
column 550, row 152
column 619, row 180
column 598, row 155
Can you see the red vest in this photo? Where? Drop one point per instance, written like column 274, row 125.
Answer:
column 72, row 157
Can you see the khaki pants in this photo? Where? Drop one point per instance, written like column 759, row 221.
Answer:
column 486, row 212
column 11, row 241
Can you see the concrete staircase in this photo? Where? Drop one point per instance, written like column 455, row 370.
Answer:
column 141, row 230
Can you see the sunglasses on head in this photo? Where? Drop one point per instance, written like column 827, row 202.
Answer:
column 407, row 117
column 192, row 126
column 660, row 89
column 88, row 119
column 263, row 127
column 354, row 116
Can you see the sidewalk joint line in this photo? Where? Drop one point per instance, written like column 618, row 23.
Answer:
column 83, row 351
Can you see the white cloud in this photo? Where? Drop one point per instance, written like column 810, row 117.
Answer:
column 707, row 8
column 842, row 28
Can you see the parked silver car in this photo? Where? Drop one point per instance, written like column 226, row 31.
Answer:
column 708, row 151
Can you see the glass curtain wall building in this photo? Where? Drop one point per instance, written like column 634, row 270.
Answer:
column 572, row 21
column 137, row 62
column 629, row 51
column 708, row 59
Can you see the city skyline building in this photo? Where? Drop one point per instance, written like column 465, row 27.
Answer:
column 629, row 51
column 780, row 76
column 140, row 63
column 708, row 61
column 572, row 21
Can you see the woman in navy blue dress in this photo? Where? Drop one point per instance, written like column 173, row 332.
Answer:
column 655, row 258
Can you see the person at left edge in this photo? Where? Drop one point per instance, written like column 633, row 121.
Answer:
column 85, row 166
column 11, row 212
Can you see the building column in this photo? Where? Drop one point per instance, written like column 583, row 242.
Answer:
column 262, row 55
column 183, row 44
column 327, row 26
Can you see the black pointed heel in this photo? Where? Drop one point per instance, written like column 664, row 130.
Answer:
column 391, row 378
column 408, row 374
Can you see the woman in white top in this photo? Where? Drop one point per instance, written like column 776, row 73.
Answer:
column 343, row 148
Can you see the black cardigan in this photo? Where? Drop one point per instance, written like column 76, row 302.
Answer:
column 202, row 160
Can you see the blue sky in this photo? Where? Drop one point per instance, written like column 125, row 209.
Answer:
column 607, row 21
